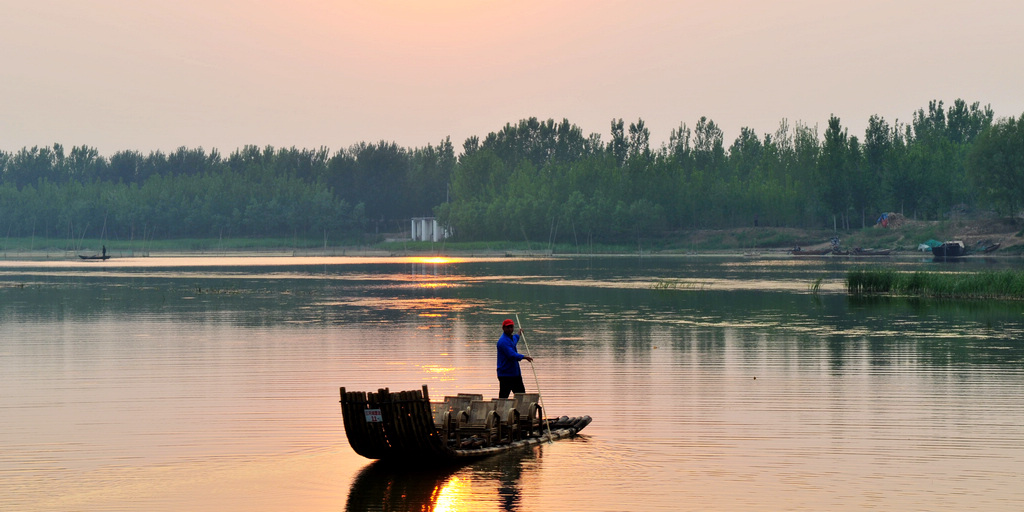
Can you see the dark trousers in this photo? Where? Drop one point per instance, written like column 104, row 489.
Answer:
column 508, row 385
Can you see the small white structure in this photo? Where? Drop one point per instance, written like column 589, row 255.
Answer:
column 426, row 229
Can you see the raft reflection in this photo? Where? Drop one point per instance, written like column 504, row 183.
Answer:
column 390, row 487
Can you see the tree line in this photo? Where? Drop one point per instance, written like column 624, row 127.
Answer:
column 534, row 180
column 191, row 193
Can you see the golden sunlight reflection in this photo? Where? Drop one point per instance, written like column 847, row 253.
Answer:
column 452, row 495
column 435, row 285
column 425, row 306
column 445, row 372
column 435, row 260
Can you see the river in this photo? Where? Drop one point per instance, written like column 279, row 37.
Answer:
column 714, row 383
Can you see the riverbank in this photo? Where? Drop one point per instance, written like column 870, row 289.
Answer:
column 902, row 237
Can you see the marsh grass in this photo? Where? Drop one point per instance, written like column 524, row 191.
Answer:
column 1003, row 284
column 816, row 285
column 677, row 284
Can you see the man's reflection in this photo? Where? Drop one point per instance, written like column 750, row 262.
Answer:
column 510, row 476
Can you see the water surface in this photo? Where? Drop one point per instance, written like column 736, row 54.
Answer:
column 714, row 384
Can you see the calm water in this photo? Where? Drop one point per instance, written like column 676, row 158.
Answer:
column 211, row 384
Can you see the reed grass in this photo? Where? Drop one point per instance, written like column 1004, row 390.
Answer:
column 678, row 284
column 816, row 285
column 1002, row 284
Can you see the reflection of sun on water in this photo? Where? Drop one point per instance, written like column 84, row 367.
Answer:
column 435, row 284
column 451, row 496
column 432, row 306
column 434, row 269
column 435, row 260
column 445, row 371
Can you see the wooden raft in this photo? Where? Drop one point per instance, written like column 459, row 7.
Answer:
column 401, row 426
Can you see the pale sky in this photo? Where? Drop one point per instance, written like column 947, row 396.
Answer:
column 156, row 75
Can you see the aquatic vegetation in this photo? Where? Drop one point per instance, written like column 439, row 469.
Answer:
column 679, row 284
column 1004, row 284
column 816, row 285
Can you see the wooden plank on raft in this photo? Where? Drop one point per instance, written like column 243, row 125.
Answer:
column 378, row 430
column 395, row 427
column 357, row 434
column 426, row 431
column 382, row 400
column 373, row 432
column 410, row 425
column 367, row 438
column 421, row 423
column 409, row 431
column 400, row 434
column 436, row 442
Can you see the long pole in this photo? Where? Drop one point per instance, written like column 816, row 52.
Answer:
column 540, row 397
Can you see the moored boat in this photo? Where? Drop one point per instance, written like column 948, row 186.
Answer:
column 857, row 251
column 986, row 246
column 949, row 249
column 796, row 251
column 407, row 426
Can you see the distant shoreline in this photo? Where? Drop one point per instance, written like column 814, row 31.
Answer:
column 369, row 252
column 747, row 241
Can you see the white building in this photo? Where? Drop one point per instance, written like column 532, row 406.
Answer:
column 426, row 229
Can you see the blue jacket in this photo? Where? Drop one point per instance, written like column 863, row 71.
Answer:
column 508, row 358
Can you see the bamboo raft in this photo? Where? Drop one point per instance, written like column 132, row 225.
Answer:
column 406, row 425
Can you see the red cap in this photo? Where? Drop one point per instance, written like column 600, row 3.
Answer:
column 508, row 321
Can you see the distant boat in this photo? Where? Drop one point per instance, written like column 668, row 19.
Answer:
column 102, row 256
column 949, row 249
column 857, row 251
column 986, row 246
column 796, row 251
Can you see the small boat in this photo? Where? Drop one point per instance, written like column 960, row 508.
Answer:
column 949, row 249
column 407, row 426
column 796, row 251
column 101, row 257
column 986, row 246
column 857, row 251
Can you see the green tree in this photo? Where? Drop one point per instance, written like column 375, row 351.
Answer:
column 745, row 153
column 996, row 164
column 708, row 148
column 834, row 171
column 124, row 167
column 619, row 145
column 429, row 178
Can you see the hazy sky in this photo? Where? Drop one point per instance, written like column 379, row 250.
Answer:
column 155, row 75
